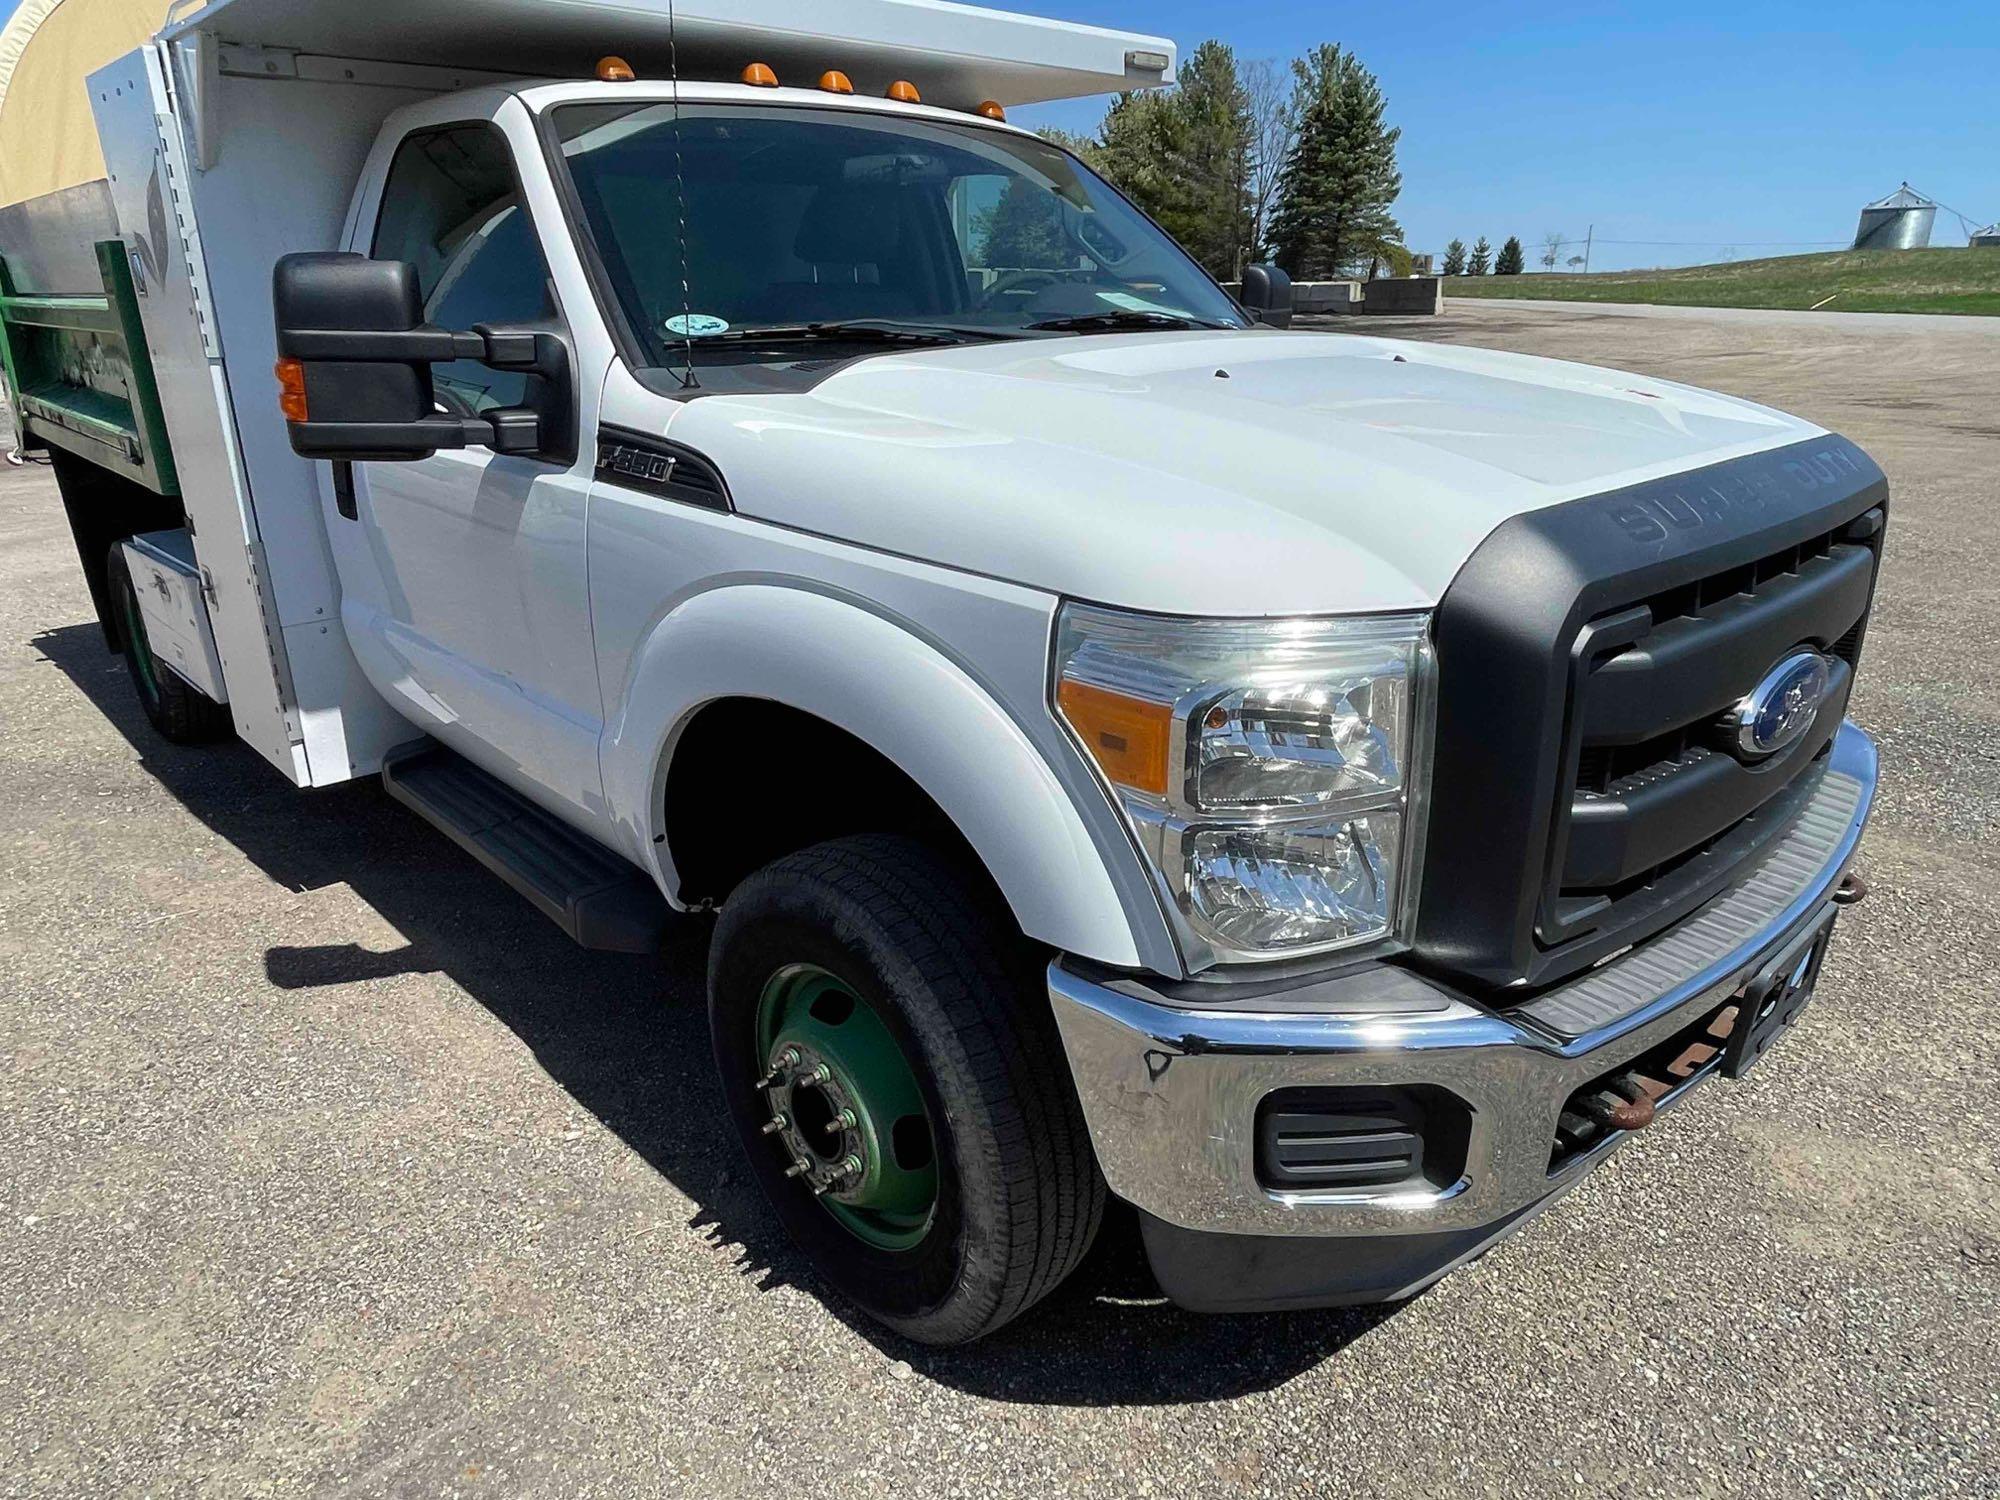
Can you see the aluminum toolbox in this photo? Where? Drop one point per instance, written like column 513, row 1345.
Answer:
column 168, row 584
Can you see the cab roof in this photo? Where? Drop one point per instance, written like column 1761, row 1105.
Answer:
column 541, row 94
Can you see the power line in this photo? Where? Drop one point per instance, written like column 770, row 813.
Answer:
column 1697, row 244
column 1965, row 222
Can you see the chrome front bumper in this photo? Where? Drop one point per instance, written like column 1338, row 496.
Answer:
column 1171, row 1090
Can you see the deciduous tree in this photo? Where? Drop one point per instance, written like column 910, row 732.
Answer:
column 1273, row 133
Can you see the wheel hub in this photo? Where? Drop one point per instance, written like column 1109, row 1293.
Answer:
column 843, row 1105
column 815, row 1120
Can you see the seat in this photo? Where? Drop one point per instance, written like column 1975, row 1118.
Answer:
column 852, row 235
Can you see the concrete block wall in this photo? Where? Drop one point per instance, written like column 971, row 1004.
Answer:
column 1406, row 296
column 1326, row 296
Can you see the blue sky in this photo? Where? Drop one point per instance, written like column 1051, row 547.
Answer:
column 1759, row 126
column 1680, row 120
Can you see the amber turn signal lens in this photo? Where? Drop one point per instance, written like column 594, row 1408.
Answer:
column 836, row 82
column 292, row 390
column 615, row 70
column 759, row 76
column 905, row 92
column 1128, row 737
column 991, row 110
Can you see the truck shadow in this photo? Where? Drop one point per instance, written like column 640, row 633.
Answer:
column 628, row 1039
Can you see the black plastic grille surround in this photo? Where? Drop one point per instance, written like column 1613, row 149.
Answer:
column 1582, row 798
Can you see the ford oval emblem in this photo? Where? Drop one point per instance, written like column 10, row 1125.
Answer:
column 1782, row 707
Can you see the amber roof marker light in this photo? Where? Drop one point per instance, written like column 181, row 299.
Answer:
column 991, row 110
column 905, row 92
column 760, row 76
column 615, row 70
column 836, row 82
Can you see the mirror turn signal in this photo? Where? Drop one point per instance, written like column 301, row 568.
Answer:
column 292, row 390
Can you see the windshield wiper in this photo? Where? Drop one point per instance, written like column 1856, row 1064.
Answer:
column 1124, row 318
column 858, row 330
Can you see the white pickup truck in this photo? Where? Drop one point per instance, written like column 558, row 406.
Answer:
column 1327, row 792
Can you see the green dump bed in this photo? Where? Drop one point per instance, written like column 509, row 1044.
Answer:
column 71, row 342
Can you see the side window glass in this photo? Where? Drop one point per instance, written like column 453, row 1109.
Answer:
column 452, row 209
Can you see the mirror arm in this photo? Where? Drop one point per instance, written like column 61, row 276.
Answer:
column 426, row 345
column 505, row 429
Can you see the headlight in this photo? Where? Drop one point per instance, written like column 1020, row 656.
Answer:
column 1269, row 767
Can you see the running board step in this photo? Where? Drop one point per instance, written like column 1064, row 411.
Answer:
column 593, row 895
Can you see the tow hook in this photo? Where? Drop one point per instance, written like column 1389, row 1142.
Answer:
column 1851, row 891
column 1622, row 1104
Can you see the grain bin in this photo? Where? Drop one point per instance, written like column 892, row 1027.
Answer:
column 1987, row 238
column 1901, row 221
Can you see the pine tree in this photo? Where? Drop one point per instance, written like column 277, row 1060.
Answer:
column 1454, row 258
column 1217, row 141
column 1512, row 261
column 1084, row 146
column 1186, row 157
column 1021, row 231
column 1482, row 258
column 1341, row 177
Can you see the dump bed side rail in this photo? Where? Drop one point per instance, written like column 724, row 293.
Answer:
column 81, row 375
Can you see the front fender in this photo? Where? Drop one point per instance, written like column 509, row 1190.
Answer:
column 873, row 677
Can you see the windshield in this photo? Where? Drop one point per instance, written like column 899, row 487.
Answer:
column 801, row 216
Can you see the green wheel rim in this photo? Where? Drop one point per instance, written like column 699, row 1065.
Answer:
column 135, row 637
column 846, row 1112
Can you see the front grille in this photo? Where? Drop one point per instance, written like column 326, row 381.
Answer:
column 1614, row 769
column 1657, row 799
column 1584, row 794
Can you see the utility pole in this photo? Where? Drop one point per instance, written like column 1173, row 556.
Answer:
column 1589, row 235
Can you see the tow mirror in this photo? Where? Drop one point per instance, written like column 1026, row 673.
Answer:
column 1267, row 295
column 354, row 367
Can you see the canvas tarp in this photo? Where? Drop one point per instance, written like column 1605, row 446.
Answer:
column 48, row 138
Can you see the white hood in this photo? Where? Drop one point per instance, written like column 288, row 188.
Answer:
column 1208, row 473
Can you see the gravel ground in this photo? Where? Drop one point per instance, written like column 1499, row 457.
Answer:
column 331, row 1169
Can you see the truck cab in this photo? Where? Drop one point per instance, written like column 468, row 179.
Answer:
column 1326, row 792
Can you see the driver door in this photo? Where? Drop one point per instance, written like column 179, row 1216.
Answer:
column 463, row 574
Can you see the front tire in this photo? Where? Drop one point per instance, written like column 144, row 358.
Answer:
column 180, row 711
column 932, row 1161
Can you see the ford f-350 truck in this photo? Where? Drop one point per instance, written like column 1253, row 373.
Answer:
column 1326, row 792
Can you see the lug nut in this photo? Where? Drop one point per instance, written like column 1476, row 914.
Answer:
column 798, row 1169
column 820, row 1074
column 850, row 1166
column 773, row 1125
column 844, row 1121
column 790, row 1058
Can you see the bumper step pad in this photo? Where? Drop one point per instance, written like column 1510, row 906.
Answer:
column 1619, row 989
